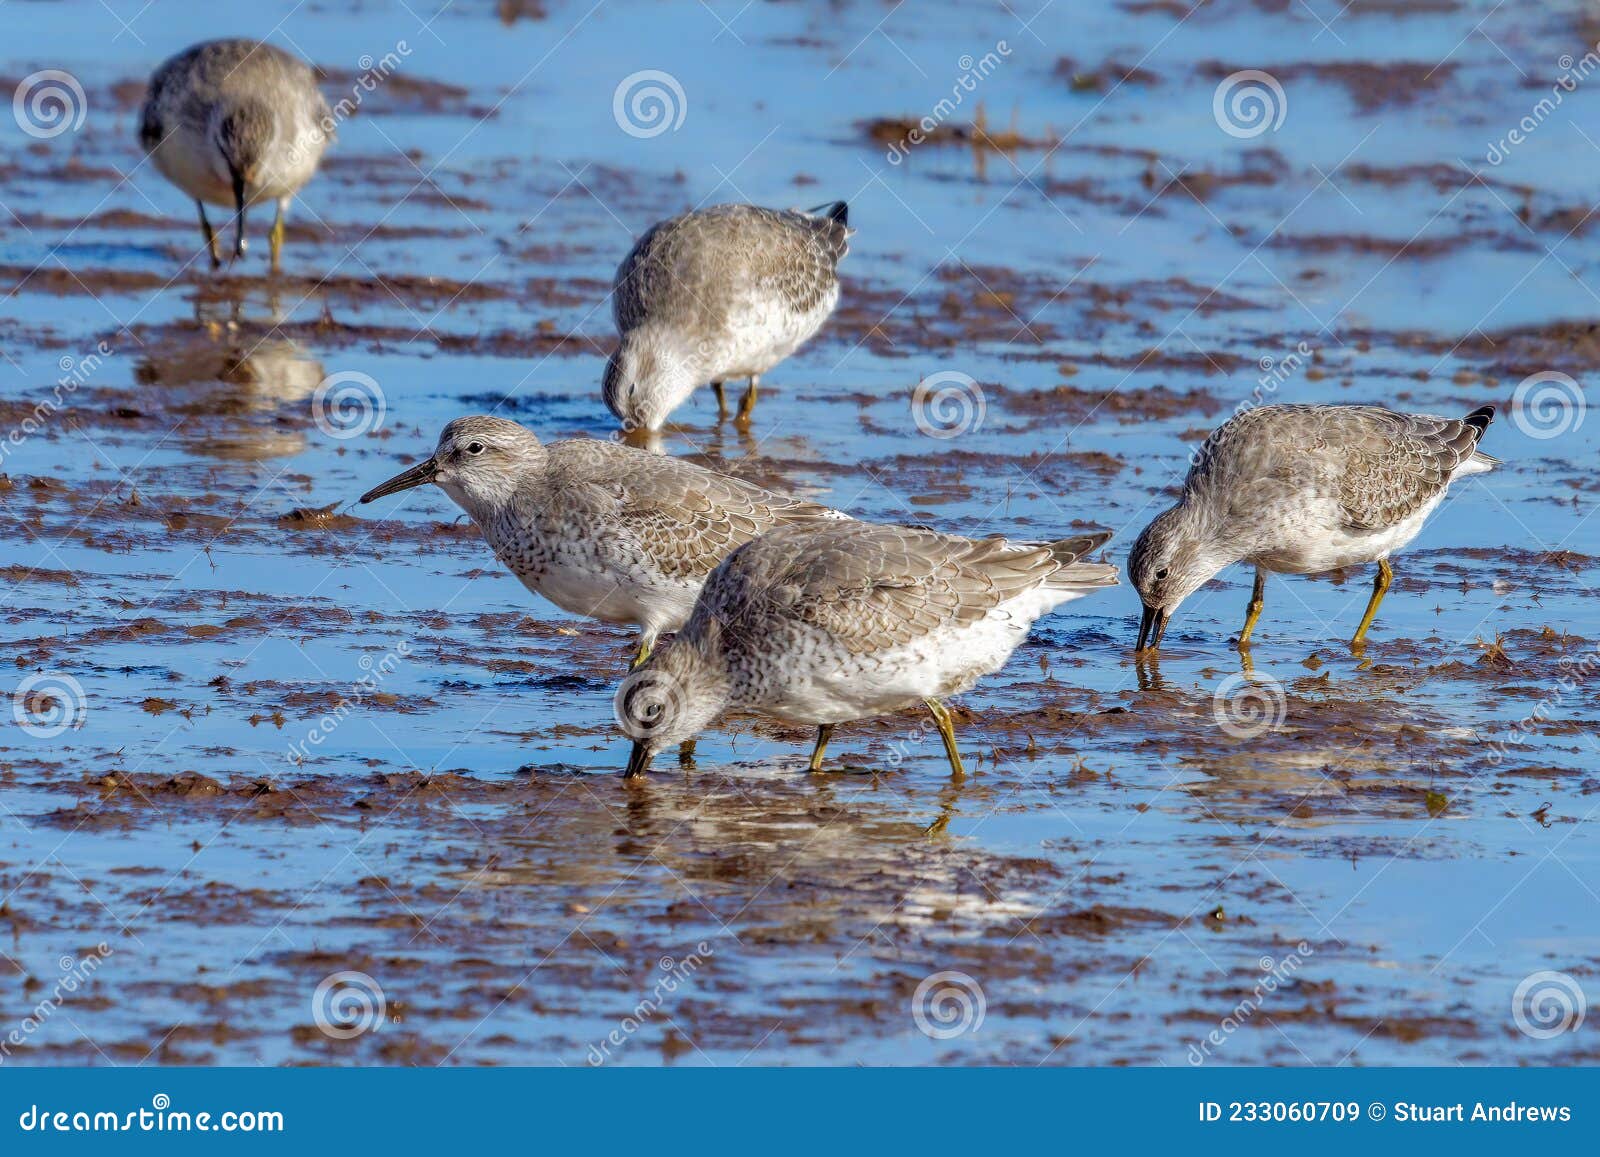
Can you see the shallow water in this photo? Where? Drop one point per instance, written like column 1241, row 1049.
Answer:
column 1119, row 872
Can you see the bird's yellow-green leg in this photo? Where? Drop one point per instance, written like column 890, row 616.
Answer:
column 276, row 239
column 824, row 733
column 1380, row 586
column 640, row 659
column 747, row 404
column 947, row 732
column 722, row 400
column 210, row 235
column 1258, row 599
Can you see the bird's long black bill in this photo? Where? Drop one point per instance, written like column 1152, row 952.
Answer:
column 638, row 761
column 238, row 220
column 1152, row 625
column 419, row 475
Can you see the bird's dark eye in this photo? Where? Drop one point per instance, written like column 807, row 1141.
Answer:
column 1161, row 574
column 652, row 711
column 474, row 447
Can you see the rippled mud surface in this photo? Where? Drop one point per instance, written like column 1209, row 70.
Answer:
column 289, row 781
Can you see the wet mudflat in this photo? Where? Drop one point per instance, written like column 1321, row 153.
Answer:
column 312, row 783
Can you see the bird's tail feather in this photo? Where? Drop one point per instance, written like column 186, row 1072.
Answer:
column 1069, row 550
column 838, row 211
column 1073, row 572
column 1479, row 420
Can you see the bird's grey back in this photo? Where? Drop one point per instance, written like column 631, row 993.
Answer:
column 1378, row 464
column 688, row 268
column 184, row 89
column 871, row 586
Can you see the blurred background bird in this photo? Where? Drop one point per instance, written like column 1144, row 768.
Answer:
column 236, row 123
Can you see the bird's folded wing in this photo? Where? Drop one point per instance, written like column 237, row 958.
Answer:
column 707, row 266
column 1396, row 463
column 873, row 587
column 793, row 257
column 685, row 517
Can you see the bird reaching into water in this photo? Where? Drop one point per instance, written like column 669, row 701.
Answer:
column 1302, row 489
column 715, row 295
column 601, row 530
column 829, row 622
column 236, row 123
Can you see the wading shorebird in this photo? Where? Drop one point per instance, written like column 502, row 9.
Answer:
column 827, row 623
column 601, row 530
column 1302, row 489
column 717, row 294
column 236, row 123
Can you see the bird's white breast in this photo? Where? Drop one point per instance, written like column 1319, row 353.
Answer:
column 762, row 331
column 187, row 159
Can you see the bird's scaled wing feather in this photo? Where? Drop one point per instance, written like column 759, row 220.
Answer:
column 873, row 587
column 1397, row 463
column 1377, row 466
column 686, row 518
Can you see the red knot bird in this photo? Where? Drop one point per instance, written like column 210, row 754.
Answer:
column 601, row 530
column 1302, row 489
column 717, row 294
column 830, row 622
column 236, row 123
